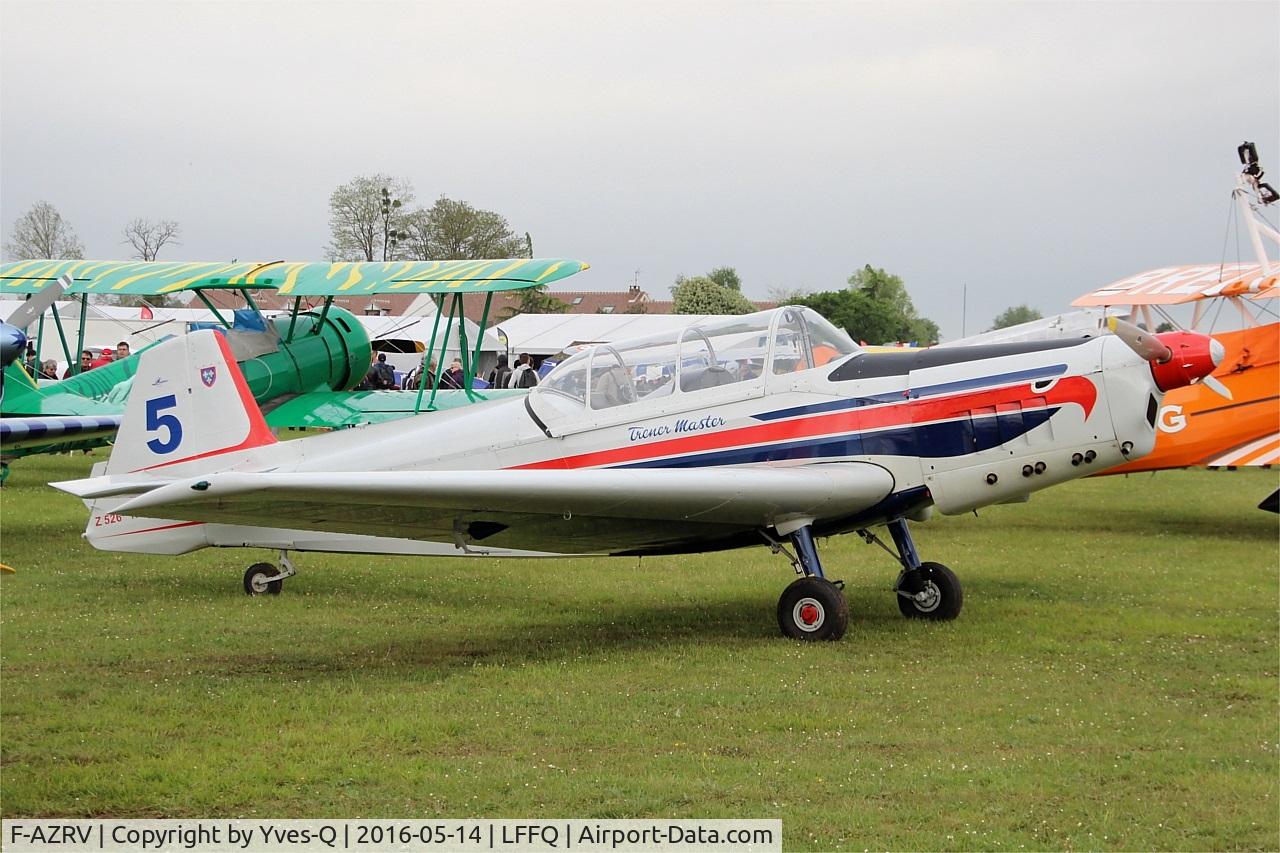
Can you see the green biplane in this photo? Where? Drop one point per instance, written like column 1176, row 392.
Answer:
column 301, row 365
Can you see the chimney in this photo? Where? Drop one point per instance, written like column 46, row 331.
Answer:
column 633, row 293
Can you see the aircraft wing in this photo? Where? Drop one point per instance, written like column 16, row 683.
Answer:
column 1176, row 285
column 25, row 433
column 332, row 409
column 55, row 401
column 579, row 511
column 291, row 278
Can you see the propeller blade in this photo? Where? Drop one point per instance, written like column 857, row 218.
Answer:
column 1143, row 343
column 1215, row 385
column 28, row 311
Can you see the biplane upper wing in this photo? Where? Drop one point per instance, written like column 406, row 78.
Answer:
column 342, row 278
column 583, row 512
column 1176, row 285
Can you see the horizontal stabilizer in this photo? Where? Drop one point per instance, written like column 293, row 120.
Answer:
column 92, row 488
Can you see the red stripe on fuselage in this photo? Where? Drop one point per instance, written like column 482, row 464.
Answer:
column 1070, row 389
column 155, row 529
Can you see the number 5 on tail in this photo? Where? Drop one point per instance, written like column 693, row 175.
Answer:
column 168, row 422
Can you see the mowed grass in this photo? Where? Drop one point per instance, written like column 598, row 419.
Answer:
column 1111, row 684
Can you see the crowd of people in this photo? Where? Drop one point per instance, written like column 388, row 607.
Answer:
column 89, row 360
column 381, row 376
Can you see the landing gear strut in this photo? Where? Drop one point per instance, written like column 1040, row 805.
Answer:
column 812, row 607
column 924, row 590
column 263, row 578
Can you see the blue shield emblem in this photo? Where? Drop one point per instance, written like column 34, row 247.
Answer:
column 208, row 375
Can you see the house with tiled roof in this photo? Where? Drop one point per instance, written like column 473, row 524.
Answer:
column 633, row 300
column 393, row 304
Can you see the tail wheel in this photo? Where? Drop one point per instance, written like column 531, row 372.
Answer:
column 813, row 608
column 930, row 592
column 256, row 583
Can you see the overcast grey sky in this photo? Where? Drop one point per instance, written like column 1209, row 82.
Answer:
column 1031, row 150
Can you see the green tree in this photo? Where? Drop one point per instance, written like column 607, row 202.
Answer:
column 875, row 308
column 452, row 230
column 701, row 295
column 41, row 232
column 1014, row 316
column 534, row 300
column 365, row 224
column 726, row 277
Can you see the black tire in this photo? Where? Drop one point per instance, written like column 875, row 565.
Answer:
column 813, row 609
column 944, row 596
column 254, row 583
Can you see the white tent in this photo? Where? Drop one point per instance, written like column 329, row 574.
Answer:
column 105, row 326
column 411, row 328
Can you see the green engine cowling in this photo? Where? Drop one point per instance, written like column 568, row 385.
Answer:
column 322, row 355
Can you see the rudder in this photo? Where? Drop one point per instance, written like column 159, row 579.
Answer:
column 189, row 402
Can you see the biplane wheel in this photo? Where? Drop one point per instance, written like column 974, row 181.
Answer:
column 932, row 592
column 256, row 583
column 813, row 608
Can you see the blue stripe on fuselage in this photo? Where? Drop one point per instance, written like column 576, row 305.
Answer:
column 1046, row 372
column 946, row 438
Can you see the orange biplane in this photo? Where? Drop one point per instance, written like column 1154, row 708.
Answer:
column 1196, row 425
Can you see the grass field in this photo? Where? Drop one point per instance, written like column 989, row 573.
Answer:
column 1112, row 683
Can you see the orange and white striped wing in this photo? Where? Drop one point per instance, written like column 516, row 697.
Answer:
column 1175, row 285
column 1263, row 451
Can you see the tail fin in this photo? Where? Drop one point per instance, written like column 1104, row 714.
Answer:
column 189, row 402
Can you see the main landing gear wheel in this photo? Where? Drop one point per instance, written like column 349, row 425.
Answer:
column 256, row 580
column 930, row 592
column 813, row 608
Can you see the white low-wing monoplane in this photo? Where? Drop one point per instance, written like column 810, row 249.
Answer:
column 770, row 428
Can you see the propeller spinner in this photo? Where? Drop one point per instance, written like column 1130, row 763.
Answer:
column 1177, row 358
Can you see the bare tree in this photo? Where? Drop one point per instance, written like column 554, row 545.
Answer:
column 366, row 223
column 786, row 294
column 148, row 238
column 41, row 232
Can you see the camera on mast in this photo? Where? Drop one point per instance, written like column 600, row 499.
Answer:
column 1249, row 157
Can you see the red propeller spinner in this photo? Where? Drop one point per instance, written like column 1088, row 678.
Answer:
column 1177, row 358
